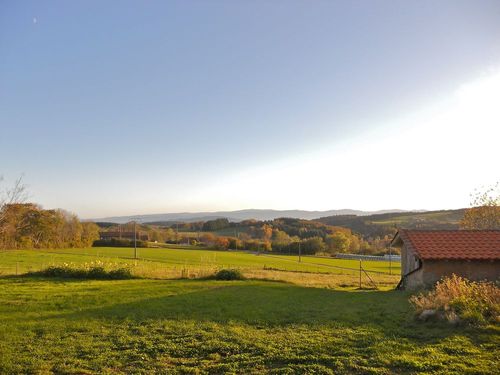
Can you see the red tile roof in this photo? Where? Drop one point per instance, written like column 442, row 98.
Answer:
column 453, row 244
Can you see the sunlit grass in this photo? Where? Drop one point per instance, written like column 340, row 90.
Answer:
column 25, row 259
column 206, row 326
column 183, row 263
column 287, row 317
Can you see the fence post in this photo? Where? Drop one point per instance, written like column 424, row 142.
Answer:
column 390, row 260
column 17, row 268
column 360, row 274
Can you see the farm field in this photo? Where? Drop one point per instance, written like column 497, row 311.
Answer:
column 212, row 327
column 182, row 256
column 175, row 263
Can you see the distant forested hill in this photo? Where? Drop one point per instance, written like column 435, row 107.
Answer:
column 388, row 223
column 235, row 216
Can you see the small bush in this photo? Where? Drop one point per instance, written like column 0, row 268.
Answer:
column 121, row 274
column 457, row 299
column 119, row 242
column 92, row 273
column 229, row 274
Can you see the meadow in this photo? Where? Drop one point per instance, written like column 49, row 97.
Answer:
column 176, row 324
column 168, row 263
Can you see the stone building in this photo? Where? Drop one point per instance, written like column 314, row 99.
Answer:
column 429, row 255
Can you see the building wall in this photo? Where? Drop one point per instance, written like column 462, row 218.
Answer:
column 409, row 266
column 409, row 261
column 414, row 281
column 434, row 270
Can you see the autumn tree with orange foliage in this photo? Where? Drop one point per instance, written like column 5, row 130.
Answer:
column 485, row 210
column 222, row 243
column 266, row 232
column 208, row 239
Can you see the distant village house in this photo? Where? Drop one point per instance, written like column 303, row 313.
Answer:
column 427, row 255
column 129, row 235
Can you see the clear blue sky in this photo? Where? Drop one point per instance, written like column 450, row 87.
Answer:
column 154, row 106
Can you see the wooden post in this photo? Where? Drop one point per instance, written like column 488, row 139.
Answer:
column 135, row 240
column 360, row 274
column 390, row 260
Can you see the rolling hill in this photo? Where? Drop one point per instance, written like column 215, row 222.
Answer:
column 236, row 216
column 387, row 223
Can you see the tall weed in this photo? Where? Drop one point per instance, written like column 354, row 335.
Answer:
column 458, row 299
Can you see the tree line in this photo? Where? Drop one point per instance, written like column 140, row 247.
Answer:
column 287, row 234
column 28, row 226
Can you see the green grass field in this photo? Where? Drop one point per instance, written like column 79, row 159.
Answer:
column 178, row 257
column 200, row 326
column 450, row 217
column 171, row 263
column 313, row 321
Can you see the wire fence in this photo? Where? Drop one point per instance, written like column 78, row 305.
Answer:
column 383, row 258
column 307, row 270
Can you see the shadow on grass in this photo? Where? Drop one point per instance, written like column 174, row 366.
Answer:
column 277, row 305
column 251, row 302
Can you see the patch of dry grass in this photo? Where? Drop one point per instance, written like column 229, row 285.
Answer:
column 309, row 279
column 459, row 299
column 323, row 280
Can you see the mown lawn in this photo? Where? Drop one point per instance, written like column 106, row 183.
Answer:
column 204, row 326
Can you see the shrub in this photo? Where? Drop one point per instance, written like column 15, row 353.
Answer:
column 235, row 243
column 229, row 274
column 121, row 274
column 119, row 242
column 92, row 273
column 221, row 243
column 256, row 245
column 458, row 299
